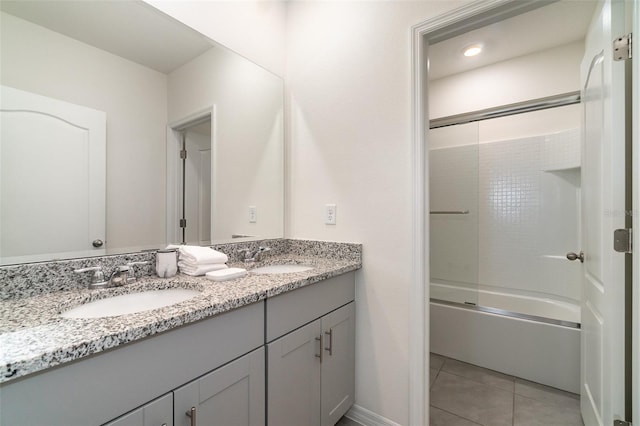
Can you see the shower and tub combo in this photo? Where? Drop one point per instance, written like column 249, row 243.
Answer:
column 505, row 210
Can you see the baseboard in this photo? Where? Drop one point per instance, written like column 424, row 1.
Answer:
column 368, row 418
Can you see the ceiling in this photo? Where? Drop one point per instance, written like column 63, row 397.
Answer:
column 553, row 25
column 91, row 21
column 151, row 39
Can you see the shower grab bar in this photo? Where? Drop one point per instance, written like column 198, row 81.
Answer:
column 449, row 212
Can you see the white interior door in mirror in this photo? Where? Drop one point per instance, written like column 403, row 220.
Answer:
column 52, row 159
column 198, row 184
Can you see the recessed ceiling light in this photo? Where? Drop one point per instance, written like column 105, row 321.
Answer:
column 472, row 50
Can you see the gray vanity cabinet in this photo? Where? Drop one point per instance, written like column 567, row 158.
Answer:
column 311, row 354
column 338, row 364
column 155, row 413
column 104, row 387
column 232, row 395
column 294, row 378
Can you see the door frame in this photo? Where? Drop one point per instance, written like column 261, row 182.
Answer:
column 457, row 21
column 174, row 145
column 635, row 166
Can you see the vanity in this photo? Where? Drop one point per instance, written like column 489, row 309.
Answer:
column 263, row 349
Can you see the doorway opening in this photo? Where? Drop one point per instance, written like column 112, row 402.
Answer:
column 428, row 38
column 189, row 159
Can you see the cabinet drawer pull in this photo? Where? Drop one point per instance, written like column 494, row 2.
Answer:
column 321, row 340
column 192, row 415
column 330, row 348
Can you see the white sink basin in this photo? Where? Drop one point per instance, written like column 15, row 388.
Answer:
column 130, row 303
column 281, row 269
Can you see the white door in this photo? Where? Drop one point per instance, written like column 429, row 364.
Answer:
column 603, row 211
column 198, row 184
column 52, row 159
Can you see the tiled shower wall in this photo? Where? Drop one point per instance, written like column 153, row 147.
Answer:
column 523, row 201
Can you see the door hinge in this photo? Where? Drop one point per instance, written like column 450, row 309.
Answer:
column 183, row 223
column 183, row 154
column 623, row 240
column 621, row 423
column 622, row 47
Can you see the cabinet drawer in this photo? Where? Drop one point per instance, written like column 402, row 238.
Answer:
column 291, row 310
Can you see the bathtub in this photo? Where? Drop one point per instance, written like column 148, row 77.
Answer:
column 537, row 339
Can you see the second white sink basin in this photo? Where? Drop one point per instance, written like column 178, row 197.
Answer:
column 130, row 303
column 281, row 269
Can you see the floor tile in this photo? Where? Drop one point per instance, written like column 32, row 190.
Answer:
column 436, row 361
column 529, row 412
column 548, row 394
column 481, row 403
column 479, row 374
column 438, row 417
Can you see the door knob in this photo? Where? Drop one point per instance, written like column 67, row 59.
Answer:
column 572, row 256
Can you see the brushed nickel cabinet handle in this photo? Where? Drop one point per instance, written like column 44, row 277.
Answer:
column 192, row 415
column 330, row 348
column 321, row 340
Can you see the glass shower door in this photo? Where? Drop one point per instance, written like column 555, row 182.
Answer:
column 453, row 198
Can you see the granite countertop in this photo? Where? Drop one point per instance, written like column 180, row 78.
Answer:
column 34, row 337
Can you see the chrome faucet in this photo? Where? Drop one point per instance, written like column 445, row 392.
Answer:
column 249, row 257
column 97, row 279
column 119, row 277
column 122, row 275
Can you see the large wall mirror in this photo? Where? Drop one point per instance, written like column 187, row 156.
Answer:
column 99, row 101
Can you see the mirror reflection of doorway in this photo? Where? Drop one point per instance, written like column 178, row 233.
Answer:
column 196, row 196
column 193, row 181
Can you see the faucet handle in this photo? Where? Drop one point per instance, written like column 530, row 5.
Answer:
column 131, row 277
column 97, row 279
column 120, row 276
column 245, row 253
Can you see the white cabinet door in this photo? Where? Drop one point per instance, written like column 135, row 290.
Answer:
column 338, row 364
column 294, row 378
column 156, row 413
column 232, row 395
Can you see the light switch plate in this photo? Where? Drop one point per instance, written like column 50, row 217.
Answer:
column 253, row 214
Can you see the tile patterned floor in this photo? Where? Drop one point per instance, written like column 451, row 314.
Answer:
column 466, row 395
column 462, row 394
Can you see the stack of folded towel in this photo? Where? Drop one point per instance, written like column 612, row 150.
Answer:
column 196, row 260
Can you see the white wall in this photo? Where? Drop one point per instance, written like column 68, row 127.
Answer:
column 254, row 29
column 545, row 73
column 134, row 98
column 349, row 79
column 248, row 146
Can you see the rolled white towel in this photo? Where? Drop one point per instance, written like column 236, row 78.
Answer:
column 197, row 270
column 201, row 255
